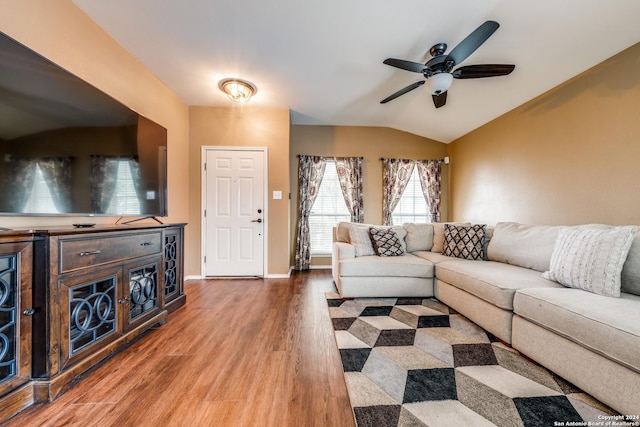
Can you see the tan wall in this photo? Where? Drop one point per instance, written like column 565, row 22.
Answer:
column 371, row 143
column 244, row 127
column 62, row 33
column 569, row 156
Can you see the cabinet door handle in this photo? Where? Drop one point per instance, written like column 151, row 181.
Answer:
column 96, row 252
column 29, row 312
column 146, row 244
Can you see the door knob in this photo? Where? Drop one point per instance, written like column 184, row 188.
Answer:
column 257, row 220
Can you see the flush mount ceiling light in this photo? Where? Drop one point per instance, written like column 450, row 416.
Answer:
column 237, row 90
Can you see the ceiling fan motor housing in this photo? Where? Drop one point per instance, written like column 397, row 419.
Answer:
column 438, row 64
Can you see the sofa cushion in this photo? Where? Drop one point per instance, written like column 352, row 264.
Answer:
column 491, row 281
column 608, row 326
column 438, row 235
column 528, row 246
column 419, row 237
column 434, row 257
column 591, row 258
column 465, row 242
column 402, row 266
column 385, row 242
column 630, row 276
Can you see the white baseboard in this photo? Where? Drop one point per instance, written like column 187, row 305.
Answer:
column 268, row 276
column 280, row 276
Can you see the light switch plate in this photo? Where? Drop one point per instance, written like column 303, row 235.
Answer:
column 277, row 195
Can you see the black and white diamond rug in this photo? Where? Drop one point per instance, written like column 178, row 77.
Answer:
column 416, row 362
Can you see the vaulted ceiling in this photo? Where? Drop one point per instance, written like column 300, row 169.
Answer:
column 323, row 59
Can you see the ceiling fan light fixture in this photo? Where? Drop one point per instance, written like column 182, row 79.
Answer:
column 439, row 83
column 237, row 90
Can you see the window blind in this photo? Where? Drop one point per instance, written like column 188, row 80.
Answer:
column 328, row 210
column 412, row 206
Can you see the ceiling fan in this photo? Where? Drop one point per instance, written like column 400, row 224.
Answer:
column 439, row 69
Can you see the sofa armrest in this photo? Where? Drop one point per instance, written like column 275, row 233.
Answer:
column 342, row 250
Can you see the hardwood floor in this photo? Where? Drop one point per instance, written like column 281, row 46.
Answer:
column 240, row 353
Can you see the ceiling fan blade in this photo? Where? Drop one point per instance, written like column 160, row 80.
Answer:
column 484, row 70
column 405, row 65
column 402, row 91
column 473, row 41
column 439, row 100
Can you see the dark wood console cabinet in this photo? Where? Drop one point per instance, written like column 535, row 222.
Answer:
column 71, row 297
column 16, row 281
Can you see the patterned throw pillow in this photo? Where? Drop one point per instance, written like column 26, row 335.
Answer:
column 464, row 241
column 591, row 258
column 386, row 242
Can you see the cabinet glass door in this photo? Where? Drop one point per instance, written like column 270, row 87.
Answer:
column 143, row 290
column 92, row 309
column 8, row 317
column 15, row 314
column 89, row 312
column 143, row 295
column 172, row 272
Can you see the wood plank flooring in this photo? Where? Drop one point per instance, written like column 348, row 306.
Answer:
column 240, row 353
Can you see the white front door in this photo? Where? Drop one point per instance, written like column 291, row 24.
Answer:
column 234, row 212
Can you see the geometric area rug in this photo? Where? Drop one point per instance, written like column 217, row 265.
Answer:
column 416, row 362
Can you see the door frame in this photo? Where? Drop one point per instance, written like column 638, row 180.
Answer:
column 203, row 200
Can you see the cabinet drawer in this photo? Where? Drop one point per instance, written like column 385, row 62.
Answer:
column 96, row 250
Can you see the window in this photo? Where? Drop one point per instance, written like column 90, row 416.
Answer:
column 412, row 206
column 125, row 198
column 328, row 210
column 40, row 199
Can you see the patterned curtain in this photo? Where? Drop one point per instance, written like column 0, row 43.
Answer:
column 310, row 173
column 350, row 176
column 430, row 172
column 104, row 173
column 396, row 175
column 58, row 174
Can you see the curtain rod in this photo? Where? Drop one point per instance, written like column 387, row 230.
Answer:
column 440, row 160
column 330, row 157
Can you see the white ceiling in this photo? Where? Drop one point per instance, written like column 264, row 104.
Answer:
column 322, row 59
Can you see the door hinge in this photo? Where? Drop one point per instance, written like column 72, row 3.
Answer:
column 205, row 259
column 205, row 212
column 205, row 166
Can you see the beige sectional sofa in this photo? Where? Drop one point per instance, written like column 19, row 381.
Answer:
column 590, row 339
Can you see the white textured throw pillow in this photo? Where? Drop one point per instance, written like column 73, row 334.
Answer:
column 361, row 240
column 591, row 258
